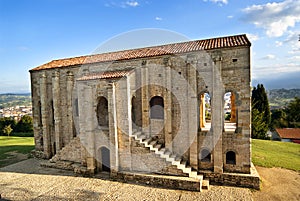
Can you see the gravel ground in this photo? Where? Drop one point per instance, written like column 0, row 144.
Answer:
column 27, row 181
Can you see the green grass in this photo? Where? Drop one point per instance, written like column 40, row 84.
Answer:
column 21, row 145
column 276, row 154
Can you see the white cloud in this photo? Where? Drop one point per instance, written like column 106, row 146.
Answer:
column 278, row 43
column 158, row 18
column 132, row 3
column 219, row 2
column 230, row 16
column 269, row 57
column 123, row 4
column 252, row 37
column 275, row 18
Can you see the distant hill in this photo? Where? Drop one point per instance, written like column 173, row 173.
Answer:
column 279, row 98
column 12, row 99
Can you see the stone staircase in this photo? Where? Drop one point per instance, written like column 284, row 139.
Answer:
column 176, row 160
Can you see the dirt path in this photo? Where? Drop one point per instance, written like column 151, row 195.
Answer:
column 278, row 184
column 27, row 181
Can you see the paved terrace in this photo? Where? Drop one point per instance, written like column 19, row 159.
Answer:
column 26, row 180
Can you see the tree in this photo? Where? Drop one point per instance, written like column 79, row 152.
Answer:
column 261, row 117
column 25, row 124
column 259, row 127
column 293, row 113
column 5, row 122
column 279, row 119
column 7, row 130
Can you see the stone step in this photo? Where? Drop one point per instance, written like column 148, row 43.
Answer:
column 205, row 184
column 147, row 141
column 153, row 143
column 169, row 156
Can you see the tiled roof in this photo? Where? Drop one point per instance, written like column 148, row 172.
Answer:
column 176, row 48
column 289, row 133
column 105, row 75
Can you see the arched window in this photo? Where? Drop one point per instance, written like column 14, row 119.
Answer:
column 205, row 111
column 76, row 107
column 133, row 109
column 230, row 111
column 230, row 157
column 102, row 111
column 157, row 108
column 205, row 156
column 40, row 114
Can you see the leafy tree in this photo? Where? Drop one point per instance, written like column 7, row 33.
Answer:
column 7, row 130
column 5, row 122
column 261, row 117
column 259, row 127
column 261, row 103
column 293, row 113
column 25, row 124
column 278, row 119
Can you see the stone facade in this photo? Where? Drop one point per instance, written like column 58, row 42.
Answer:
column 102, row 101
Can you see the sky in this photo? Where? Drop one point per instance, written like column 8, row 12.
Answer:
column 34, row 32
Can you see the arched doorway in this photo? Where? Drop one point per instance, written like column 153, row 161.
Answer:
column 102, row 112
column 105, row 159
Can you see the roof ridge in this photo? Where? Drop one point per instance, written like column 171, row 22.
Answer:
column 171, row 48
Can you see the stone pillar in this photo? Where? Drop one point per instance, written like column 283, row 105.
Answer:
column 70, row 127
column 44, row 112
column 145, row 100
column 168, row 110
column 233, row 108
column 202, row 110
column 217, row 124
column 113, row 130
column 90, row 128
column 57, row 110
column 193, row 116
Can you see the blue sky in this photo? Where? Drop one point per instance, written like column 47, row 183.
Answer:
column 33, row 32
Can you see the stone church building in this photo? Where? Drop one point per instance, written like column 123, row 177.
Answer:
column 154, row 115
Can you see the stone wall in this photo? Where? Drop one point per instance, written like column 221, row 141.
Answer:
column 63, row 109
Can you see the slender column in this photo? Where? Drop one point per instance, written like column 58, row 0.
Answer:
column 70, row 129
column 217, row 114
column 145, row 100
column 56, row 106
column 90, row 128
column 202, row 110
column 113, row 130
column 233, row 108
column 193, row 116
column 168, row 110
column 44, row 112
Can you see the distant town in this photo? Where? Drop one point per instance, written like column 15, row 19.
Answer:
column 14, row 106
column 16, row 112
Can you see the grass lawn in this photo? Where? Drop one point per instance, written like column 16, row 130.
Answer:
column 276, row 154
column 14, row 149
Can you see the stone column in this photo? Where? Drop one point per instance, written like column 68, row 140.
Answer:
column 193, row 116
column 70, row 127
column 233, row 108
column 202, row 110
column 90, row 127
column 168, row 110
column 113, row 130
column 57, row 110
column 217, row 123
column 44, row 112
column 145, row 100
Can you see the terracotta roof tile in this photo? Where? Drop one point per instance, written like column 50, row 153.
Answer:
column 290, row 133
column 105, row 75
column 207, row 44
